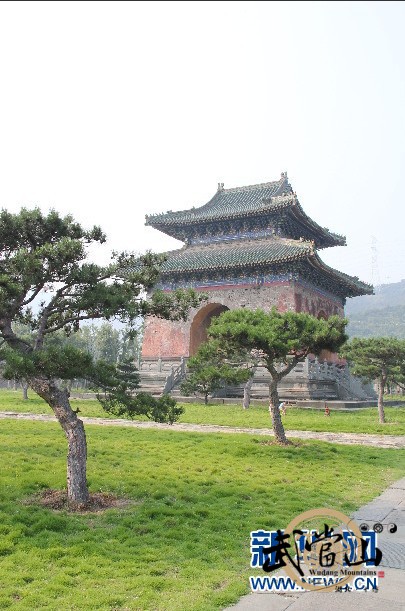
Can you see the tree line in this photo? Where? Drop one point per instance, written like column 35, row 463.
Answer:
column 103, row 341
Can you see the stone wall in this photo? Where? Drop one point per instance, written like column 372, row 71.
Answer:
column 315, row 301
column 163, row 338
column 175, row 339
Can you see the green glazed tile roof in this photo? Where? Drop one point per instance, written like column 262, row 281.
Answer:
column 271, row 199
column 262, row 254
column 225, row 203
column 234, row 255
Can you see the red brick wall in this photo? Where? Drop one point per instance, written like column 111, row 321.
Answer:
column 315, row 303
column 172, row 339
column 164, row 338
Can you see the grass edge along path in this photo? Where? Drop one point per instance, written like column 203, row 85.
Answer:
column 256, row 417
column 378, row 441
column 183, row 542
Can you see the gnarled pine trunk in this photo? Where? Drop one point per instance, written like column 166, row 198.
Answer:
column 278, row 427
column 58, row 400
column 25, row 390
column 246, row 393
column 381, row 388
column 247, row 390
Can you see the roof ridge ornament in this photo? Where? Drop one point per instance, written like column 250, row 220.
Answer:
column 284, row 175
column 220, row 186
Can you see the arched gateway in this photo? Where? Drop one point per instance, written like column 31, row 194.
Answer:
column 201, row 322
column 248, row 247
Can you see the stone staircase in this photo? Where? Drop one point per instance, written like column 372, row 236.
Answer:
column 158, row 376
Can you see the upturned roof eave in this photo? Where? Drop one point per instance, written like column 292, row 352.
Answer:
column 353, row 283
column 332, row 239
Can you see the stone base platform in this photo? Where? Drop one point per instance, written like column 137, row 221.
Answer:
column 311, row 380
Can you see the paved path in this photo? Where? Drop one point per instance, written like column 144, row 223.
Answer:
column 378, row 441
column 388, row 508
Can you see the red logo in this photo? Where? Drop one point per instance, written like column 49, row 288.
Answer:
column 380, row 574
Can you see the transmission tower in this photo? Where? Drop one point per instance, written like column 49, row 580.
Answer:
column 375, row 274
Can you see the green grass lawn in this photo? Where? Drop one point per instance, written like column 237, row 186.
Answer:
column 362, row 421
column 183, row 543
column 12, row 401
column 301, row 419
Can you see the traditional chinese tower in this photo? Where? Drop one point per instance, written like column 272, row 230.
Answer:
column 248, row 247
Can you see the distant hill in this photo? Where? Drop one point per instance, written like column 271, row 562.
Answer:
column 382, row 314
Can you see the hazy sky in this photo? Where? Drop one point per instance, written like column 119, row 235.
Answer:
column 112, row 111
